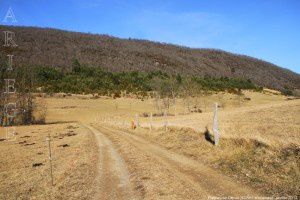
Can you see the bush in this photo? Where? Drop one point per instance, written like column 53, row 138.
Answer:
column 287, row 92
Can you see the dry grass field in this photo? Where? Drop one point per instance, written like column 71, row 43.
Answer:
column 259, row 147
column 25, row 172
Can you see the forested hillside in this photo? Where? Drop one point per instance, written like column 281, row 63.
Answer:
column 56, row 48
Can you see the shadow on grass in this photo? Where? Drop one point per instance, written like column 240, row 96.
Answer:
column 55, row 122
column 208, row 136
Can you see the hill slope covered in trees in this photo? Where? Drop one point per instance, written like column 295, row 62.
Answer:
column 57, row 48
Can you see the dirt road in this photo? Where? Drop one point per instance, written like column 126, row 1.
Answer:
column 155, row 173
column 113, row 177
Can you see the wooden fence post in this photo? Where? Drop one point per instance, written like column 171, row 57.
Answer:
column 165, row 120
column 137, row 122
column 215, row 125
column 150, row 121
column 50, row 158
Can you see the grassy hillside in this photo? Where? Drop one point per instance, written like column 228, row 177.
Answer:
column 56, row 48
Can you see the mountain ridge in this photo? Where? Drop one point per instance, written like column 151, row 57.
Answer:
column 59, row 48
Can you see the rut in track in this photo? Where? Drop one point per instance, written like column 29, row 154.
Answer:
column 112, row 181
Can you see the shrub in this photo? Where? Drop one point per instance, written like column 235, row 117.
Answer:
column 287, row 92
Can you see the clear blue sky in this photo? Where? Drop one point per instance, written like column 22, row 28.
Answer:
column 266, row 29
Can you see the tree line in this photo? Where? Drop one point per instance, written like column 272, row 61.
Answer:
column 85, row 79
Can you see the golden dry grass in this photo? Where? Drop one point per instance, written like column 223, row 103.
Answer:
column 259, row 137
column 73, row 165
column 259, row 142
column 272, row 170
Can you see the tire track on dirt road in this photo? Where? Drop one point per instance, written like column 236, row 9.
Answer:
column 204, row 180
column 113, row 178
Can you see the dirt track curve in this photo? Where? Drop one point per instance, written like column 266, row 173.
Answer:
column 132, row 168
